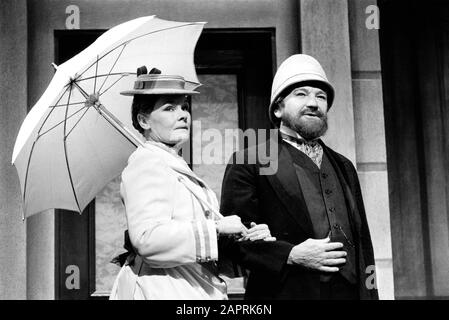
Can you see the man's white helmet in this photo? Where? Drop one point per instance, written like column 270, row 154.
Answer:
column 296, row 69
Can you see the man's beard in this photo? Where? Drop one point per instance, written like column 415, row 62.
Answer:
column 307, row 129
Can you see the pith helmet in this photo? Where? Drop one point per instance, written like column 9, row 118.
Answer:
column 294, row 70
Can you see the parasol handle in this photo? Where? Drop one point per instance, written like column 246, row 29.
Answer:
column 109, row 117
column 114, row 121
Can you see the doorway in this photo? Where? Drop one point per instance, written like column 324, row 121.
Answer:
column 236, row 68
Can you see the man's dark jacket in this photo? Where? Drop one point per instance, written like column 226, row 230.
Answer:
column 276, row 199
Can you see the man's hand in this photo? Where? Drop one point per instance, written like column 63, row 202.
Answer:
column 318, row 254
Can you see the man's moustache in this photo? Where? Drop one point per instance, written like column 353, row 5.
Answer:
column 311, row 113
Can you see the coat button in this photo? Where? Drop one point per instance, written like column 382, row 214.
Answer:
column 332, row 209
column 328, row 191
column 324, row 175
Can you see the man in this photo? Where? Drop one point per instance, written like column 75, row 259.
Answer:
column 312, row 203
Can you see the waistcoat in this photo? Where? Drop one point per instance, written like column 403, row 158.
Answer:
column 326, row 203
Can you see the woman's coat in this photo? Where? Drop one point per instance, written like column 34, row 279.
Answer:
column 171, row 230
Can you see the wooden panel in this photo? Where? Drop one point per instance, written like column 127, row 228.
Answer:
column 75, row 254
column 248, row 53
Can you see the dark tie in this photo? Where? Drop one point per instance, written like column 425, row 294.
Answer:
column 312, row 149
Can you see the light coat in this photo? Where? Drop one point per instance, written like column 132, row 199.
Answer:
column 171, row 230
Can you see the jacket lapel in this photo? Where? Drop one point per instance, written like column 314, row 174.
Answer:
column 178, row 165
column 175, row 162
column 286, row 186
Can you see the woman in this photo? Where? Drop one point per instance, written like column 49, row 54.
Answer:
column 170, row 211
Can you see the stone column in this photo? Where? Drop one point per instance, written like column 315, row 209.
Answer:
column 334, row 32
column 40, row 227
column 324, row 28
column 13, row 106
column 370, row 137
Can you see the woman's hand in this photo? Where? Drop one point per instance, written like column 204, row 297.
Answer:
column 231, row 225
column 258, row 232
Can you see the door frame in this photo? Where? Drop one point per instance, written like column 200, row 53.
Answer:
column 76, row 233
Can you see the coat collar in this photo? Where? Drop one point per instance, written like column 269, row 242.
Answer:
column 173, row 160
column 286, row 186
column 198, row 186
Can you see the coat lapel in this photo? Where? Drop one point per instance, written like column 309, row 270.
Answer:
column 286, row 186
column 174, row 161
column 178, row 165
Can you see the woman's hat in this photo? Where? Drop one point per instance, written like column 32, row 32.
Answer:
column 156, row 83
